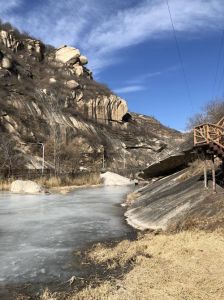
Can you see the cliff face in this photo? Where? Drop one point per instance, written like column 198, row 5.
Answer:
column 48, row 95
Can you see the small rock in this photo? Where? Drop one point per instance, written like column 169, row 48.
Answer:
column 83, row 60
column 6, row 63
column 72, row 84
column 52, row 80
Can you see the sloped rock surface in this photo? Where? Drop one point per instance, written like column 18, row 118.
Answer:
column 171, row 200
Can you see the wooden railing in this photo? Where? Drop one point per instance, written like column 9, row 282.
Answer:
column 207, row 133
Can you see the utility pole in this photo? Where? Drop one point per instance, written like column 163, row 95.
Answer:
column 124, row 160
column 205, row 174
column 43, row 156
column 213, row 175
column 103, row 159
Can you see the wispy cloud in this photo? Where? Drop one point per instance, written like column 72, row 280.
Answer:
column 142, row 78
column 102, row 30
column 7, row 6
column 129, row 89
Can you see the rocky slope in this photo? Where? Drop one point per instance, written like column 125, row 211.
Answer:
column 49, row 96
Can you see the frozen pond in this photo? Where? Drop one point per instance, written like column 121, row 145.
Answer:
column 39, row 232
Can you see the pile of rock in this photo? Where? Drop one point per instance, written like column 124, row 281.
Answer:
column 34, row 47
column 9, row 40
column 73, row 58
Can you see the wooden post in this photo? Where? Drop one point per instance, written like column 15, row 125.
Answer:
column 205, row 175
column 213, row 175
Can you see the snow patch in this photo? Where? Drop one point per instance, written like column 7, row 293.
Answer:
column 110, row 178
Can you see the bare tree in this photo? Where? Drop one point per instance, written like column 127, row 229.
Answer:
column 10, row 157
column 212, row 112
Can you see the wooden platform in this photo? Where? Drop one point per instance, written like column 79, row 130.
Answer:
column 209, row 143
column 209, row 138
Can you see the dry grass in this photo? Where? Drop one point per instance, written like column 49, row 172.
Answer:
column 187, row 265
column 5, row 185
column 131, row 198
column 84, row 179
column 197, row 168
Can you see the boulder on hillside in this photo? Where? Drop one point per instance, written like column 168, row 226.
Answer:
column 65, row 54
column 83, row 60
column 26, row 186
column 110, row 178
column 78, row 70
column 72, row 84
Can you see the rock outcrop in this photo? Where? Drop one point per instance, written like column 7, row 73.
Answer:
column 72, row 57
column 9, row 40
column 57, row 102
column 103, row 108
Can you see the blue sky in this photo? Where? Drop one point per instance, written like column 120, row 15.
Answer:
column 131, row 47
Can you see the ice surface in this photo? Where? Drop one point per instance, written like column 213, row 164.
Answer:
column 39, row 232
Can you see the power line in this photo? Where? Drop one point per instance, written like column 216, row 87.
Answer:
column 217, row 66
column 179, row 55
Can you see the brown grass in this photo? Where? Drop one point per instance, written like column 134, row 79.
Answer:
column 84, row 179
column 187, row 265
column 5, row 185
column 131, row 198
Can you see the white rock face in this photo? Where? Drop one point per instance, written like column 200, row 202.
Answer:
column 78, row 70
column 103, row 108
column 6, row 63
column 26, row 186
column 65, row 54
column 110, row 178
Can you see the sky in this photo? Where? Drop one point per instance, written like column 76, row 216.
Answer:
column 131, row 47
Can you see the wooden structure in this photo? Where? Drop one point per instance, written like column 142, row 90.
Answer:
column 209, row 142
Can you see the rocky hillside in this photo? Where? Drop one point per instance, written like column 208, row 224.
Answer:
column 49, row 96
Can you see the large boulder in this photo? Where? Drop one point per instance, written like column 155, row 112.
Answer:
column 26, row 186
column 103, row 108
column 83, row 60
column 66, row 54
column 110, row 178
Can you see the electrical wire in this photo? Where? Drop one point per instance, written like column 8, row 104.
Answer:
column 217, row 67
column 180, row 56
